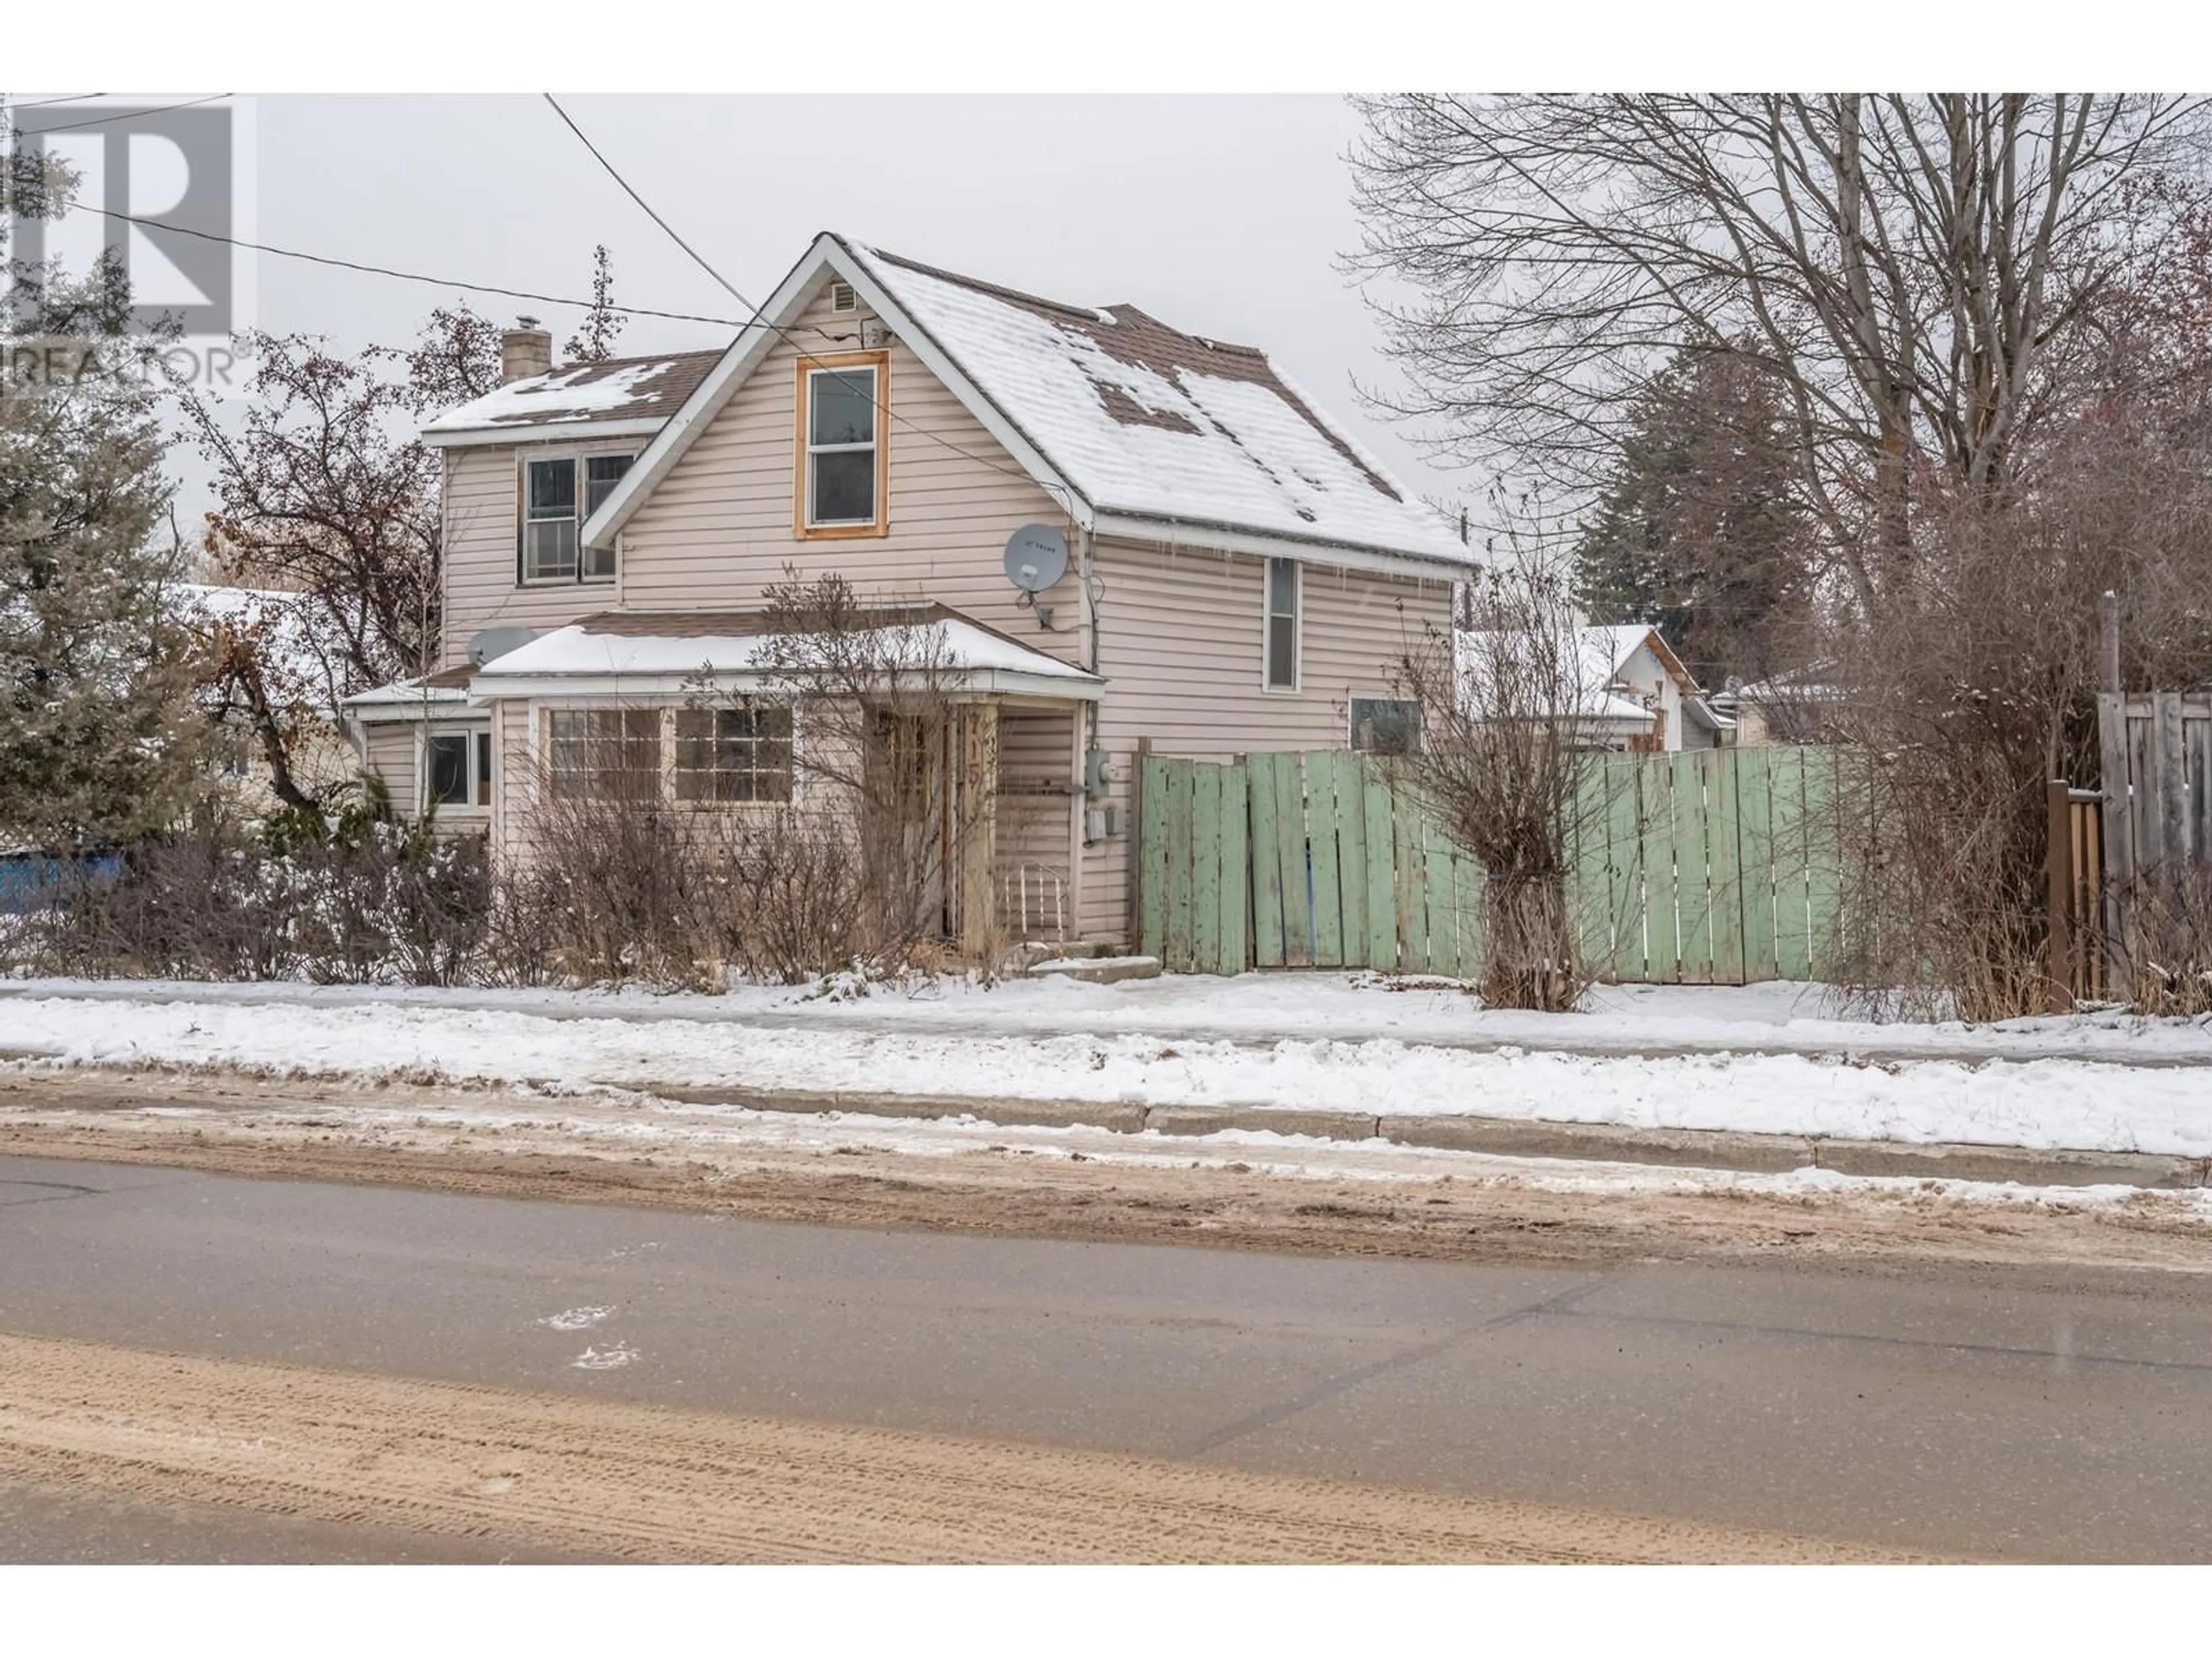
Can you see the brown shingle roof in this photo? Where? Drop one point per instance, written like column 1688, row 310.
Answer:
column 658, row 385
column 1134, row 336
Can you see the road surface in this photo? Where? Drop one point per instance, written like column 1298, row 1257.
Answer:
column 1935, row 1408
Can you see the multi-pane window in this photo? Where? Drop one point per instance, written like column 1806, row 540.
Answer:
column 606, row 754
column 741, row 754
column 843, row 475
column 457, row 765
column 1282, row 646
column 1386, row 726
column 558, row 495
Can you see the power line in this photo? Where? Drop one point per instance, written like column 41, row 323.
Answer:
column 883, row 402
column 41, row 103
column 131, row 114
column 404, row 276
column 697, row 258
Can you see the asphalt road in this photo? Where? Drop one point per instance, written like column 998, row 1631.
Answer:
column 2052, row 1414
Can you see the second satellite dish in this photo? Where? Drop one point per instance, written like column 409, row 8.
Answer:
column 1036, row 557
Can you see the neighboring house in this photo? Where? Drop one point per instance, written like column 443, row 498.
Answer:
column 1786, row 708
column 264, row 629
column 1633, row 694
column 1240, row 575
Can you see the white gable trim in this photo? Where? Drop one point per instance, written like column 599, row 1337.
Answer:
column 522, row 432
column 1184, row 532
column 826, row 257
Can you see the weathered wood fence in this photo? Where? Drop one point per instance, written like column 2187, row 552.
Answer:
column 1717, row 866
column 2155, row 752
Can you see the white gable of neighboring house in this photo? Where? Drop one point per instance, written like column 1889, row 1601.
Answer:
column 1632, row 686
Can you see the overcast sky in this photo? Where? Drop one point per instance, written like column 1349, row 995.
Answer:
column 1220, row 216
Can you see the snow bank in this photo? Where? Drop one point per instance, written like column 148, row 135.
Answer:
column 2040, row 1104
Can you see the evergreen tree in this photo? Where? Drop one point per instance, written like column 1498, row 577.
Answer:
column 99, row 739
column 1698, row 529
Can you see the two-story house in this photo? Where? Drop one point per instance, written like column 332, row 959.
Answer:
column 1240, row 573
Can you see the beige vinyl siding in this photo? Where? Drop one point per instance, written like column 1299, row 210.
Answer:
column 483, row 519
column 392, row 757
column 1181, row 646
column 1034, row 820
column 719, row 527
column 514, row 776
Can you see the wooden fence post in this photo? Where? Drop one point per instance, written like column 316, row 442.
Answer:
column 2119, row 804
column 2059, row 860
column 1139, row 846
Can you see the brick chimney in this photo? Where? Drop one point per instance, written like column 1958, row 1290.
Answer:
column 525, row 351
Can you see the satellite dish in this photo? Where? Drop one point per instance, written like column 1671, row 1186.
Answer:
column 1036, row 557
column 491, row 643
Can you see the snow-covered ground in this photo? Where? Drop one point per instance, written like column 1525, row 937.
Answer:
column 619, row 1123
column 1302, row 1043
column 1780, row 1017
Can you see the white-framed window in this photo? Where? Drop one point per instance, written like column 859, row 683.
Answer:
column 456, row 770
column 1386, row 726
column 604, row 754
column 840, row 471
column 734, row 754
column 1280, row 669
column 559, row 494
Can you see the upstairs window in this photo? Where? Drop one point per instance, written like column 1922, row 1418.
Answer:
column 1282, row 643
column 559, row 494
column 841, row 451
column 733, row 754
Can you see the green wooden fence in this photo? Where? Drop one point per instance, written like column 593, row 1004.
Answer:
column 1718, row 866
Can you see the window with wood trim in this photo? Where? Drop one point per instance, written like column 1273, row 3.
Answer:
column 737, row 754
column 560, row 493
column 842, row 454
column 604, row 754
column 1282, row 643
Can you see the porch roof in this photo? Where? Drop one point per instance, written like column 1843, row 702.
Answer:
column 440, row 696
column 665, row 654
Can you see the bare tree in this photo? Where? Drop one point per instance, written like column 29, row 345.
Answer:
column 892, row 752
column 1913, row 271
column 1511, row 717
column 324, row 491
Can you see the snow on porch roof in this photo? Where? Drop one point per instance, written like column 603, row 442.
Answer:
column 1150, row 423
column 663, row 652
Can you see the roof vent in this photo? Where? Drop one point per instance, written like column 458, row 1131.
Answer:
column 842, row 297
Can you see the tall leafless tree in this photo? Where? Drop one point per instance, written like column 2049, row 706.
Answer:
column 1912, row 269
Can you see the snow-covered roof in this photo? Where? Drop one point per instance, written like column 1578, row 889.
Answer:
column 1147, row 421
column 623, row 391
column 665, row 653
column 445, row 691
column 1135, row 427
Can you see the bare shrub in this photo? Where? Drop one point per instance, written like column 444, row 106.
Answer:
column 1507, row 721
column 1974, row 683
column 2170, row 905
column 363, row 902
column 619, row 887
column 896, row 757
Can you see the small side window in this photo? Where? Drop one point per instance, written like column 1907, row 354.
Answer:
column 1386, row 726
column 457, row 769
column 1282, row 625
